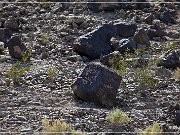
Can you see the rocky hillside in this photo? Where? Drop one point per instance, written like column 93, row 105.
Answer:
column 77, row 62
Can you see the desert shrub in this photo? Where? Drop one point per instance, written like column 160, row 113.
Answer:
column 154, row 129
column 52, row 72
column 117, row 116
column 44, row 38
column 58, row 126
column 145, row 77
column 16, row 72
column 118, row 62
column 26, row 55
column 176, row 74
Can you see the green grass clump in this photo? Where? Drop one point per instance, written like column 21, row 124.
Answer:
column 176, row 74
column 118, row 62
column 146, row 78
column 15, row 73
column 117, row 116
column 52, row 72
column 44, row 38
column 58, row 127
column 154, row 129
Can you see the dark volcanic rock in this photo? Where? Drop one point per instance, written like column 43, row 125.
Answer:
column 125, row 44
column 5, row 34
column 126, row 29
column 149, row 19
column 11, row 23
column 97, row 84
column 15, row 46
column 155, row 30
column 170, row 59
column 177, row 117
column 166, row 17
column 141, row 37
column 96, row 43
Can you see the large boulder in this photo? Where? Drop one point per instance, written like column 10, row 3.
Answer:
column 127, row 44
column 5, row 34
column 97, row 84
column 96, row 43
column 141, row 37
column 16, row 46
column 126, row 29
column 166, row 17
column 170, row 59
column 11, row 23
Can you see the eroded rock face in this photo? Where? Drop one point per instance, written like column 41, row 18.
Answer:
column 5, row 34
column 11, row 23
column 15, row 46
column 126, row 29
column 170, row 59
column 97, row 84
column 96, row 43
column 166, row 17
column 127, row 44
column 141, row 37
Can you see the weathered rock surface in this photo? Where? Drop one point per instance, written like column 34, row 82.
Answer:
column 166, row 17
column 96, row 43
column 97, row 84
column 127, row 44
column 141, row 37
column 15, row 46
column 11, row 23
column 126, row 29
column 5, row 34
column 170, row 59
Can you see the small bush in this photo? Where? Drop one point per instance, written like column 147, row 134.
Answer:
column 26, row 55
column 117, row 116
column 176, row 74
column 44, row 38
column 154, row 129
column 52, row 72
column 15, row 73
column 118, row 62
column 58, row 126
column 146, row 78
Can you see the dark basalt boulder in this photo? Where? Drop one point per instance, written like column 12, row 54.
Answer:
column 97, row 84
column 127, row 44
column 96, row 43
column 170, row 59
column 16, row 46
column 166, row 17
column 141, row 37
column 126, row 29
column 11, row 23
column 5, row 34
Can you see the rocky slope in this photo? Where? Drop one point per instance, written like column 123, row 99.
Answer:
column 50, row 30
